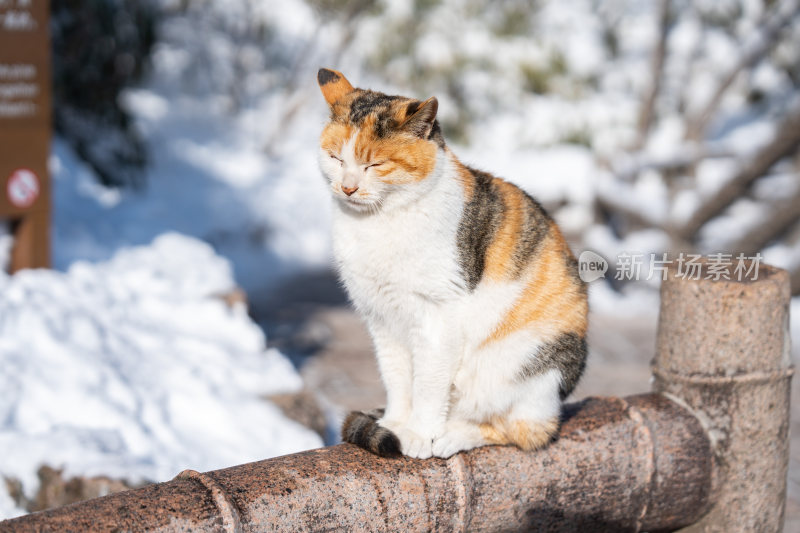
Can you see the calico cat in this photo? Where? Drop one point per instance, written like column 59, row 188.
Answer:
column 469, row 291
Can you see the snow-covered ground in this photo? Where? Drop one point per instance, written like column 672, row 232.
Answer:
column 135, row 368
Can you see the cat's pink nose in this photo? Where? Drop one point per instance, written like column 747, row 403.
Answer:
column 349, row 190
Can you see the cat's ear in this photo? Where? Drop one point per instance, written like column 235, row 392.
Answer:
column 420, row 116
column 333, row 84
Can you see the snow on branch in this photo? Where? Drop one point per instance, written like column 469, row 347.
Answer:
column 784, row 142
column 780, row 216
column 752, row 52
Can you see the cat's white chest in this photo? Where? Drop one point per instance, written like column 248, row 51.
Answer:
column 392, row 264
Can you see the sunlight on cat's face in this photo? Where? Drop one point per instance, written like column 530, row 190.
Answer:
column 376, row 147
column 365, row 167
column 355, row 178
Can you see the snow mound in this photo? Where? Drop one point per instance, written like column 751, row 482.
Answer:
column 134, row 369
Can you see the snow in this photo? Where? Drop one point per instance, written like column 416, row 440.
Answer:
column 233, row 153
column 135, row 368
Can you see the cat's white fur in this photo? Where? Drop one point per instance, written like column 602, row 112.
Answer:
column 396, row 251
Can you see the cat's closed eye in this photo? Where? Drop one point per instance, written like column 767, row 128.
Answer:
column 336, row 158
column 371, row 165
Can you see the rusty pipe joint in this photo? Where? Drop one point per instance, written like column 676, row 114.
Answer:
column 723, row 351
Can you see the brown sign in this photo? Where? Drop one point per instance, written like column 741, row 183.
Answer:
column 25, row 128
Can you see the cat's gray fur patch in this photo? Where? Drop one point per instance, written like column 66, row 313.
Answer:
column 363, row 430
column 379, row 104
column 535, row 227
column 482, row 217
column 325, row 76
column 567, row 354
column 368, row 102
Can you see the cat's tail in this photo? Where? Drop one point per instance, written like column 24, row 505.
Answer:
column 362, row 429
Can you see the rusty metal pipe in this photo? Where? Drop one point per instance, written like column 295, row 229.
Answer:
column 620, row 464
column 723, row 351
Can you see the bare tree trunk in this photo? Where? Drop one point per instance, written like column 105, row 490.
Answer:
column 647, row 110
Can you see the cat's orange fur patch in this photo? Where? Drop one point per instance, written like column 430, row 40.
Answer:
column 400, row 111
column 525, row 434
column 415, row 158
column 403, row 158
column 334, row 136
column 552, row 300
column 342, row 106
column 499, row 255
column 467, row 179
column 335, row 86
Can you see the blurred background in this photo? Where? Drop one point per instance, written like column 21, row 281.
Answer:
column 192, row 319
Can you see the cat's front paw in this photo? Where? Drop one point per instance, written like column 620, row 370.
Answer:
column 449, row 444
column 414, row 444
column 458, row 436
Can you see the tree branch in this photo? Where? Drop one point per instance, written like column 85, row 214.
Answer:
column 782, row 215
column 754, row 51
column 785, row 141
column 647, row 110
column 685, row 156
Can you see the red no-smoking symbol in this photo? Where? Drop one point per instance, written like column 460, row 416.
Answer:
column 22, row 187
